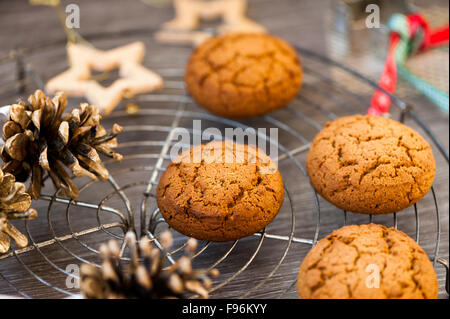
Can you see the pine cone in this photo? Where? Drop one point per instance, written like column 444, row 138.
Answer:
column 38, row 138
column 14, row 204
column 145, row 276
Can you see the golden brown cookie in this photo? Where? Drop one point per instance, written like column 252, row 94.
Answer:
column 220, row 191
column 369, row 164
column 244, row 74
column 367, row 262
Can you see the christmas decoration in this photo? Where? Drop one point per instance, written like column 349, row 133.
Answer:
column 409, row 35
column 38, row 139
column 134, row 78
column 145, row 276
column 188, row 13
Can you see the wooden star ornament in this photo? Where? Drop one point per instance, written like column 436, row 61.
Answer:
column 189, row 13
column 77, row 81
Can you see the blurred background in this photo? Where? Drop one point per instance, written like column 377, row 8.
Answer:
column 335, row 28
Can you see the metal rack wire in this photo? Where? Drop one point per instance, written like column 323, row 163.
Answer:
column 127, row 200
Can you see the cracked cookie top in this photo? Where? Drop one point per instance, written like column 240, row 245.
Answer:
column 367, row 262
column 243, row 75
column 220, row 191
column 369, row 164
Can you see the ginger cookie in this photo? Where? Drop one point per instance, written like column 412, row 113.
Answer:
column 369, row 164
column 367, row 262
column 220, row 191
column 243, row 74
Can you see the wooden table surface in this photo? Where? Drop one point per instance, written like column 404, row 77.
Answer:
column 303, row 23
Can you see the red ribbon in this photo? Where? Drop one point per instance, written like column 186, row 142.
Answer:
column 381, row 101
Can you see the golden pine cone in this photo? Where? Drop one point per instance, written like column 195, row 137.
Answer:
column 14, row 204
column 145, row 277
column 39, row 138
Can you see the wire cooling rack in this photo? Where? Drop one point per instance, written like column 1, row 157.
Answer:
column 68, row 232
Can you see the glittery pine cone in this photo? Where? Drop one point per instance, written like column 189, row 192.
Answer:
column 145, row 277
column 38, row 139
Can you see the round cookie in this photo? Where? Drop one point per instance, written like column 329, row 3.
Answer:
column 220, row 191
column 370, row 164
column 243, row 75
column 347, row 263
